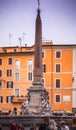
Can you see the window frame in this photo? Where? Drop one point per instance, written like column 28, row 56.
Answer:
column 57, row 99
column 56, row 54
column 30, row 66
column 59, row 83
column 30, row 77
column 18, row 91
column 59, row 69
column 43, row 54
column 0, row 73
column 0, row 61
column 9, row 72
column 9, row 85
column 8, row 99
column 1, row 99
column 10, row 61
column 17, row 65
column 44, row 68
column 17, row 76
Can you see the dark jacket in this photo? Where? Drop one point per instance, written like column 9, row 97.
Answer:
column 44, row 127
column 0, row 128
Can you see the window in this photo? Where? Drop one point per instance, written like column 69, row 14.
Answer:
column 9, row 72
column 0, row 73
column 16, row 92
column 0, row 61
column 42, row 54
column 9, row 84
column 16, row 76
column 17, row 64
column 57, row 83
column 0, row 84
column 10, row 61
column 57, row 99
column 9, row 99
column 44, row 68
column 30, row 64
column 1, row 99
column 58, row 54
column 57, row 67
column 29, row 76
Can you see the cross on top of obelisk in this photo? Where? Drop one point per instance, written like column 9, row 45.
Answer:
column 38, row 3
column 38, row 7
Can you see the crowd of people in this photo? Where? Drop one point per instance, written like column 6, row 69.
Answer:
column 50, row 124
column 46, row 124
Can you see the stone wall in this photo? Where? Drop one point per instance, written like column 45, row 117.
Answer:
column 6, row 121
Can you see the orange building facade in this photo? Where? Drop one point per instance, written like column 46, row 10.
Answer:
column 16, row 75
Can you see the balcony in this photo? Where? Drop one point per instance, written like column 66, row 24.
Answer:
column 18, row 99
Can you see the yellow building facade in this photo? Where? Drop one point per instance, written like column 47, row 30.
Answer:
column 16, row 75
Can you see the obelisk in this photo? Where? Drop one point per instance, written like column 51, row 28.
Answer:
column 38, row 50
column 38, row 98
column 37, row 88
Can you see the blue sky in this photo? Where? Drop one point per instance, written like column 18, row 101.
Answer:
column 17, row 17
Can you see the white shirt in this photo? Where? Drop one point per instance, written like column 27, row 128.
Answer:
column 66, row 128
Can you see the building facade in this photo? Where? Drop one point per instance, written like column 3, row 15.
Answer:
column 59, row 75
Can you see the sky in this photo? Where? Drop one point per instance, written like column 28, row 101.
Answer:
column 17, row 21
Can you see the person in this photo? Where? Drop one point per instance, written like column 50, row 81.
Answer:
column 73, row 124
column 64, row 126
column 20, row 126
column 33, row 126
column 58, row 126
column 52, row 125
column 45, row 124
column 13, row 126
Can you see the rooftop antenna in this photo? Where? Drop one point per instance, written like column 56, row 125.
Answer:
column 20, row 40
column 10, row 36
column 23, row 36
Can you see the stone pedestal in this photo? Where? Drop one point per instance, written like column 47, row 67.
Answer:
column 37, row 102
